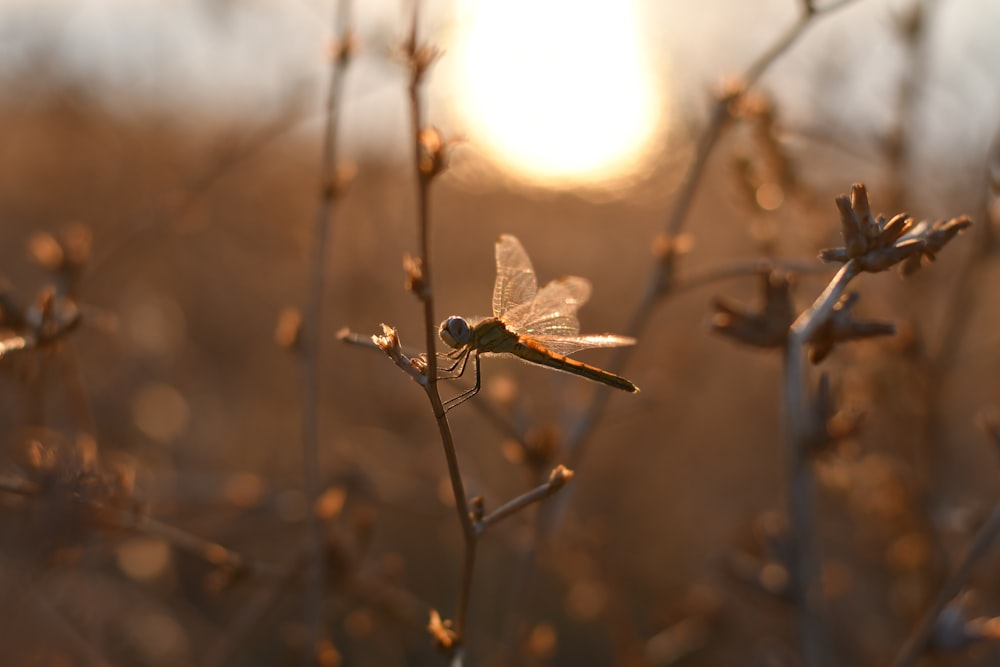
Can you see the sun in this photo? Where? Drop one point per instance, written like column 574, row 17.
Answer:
column 560, row 92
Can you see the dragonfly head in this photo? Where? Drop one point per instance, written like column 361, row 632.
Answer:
column 456, row 332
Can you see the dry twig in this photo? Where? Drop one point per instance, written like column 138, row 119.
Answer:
column 312, row 334
column 871, row 244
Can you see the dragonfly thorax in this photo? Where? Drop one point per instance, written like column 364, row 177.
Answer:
column 456, row 332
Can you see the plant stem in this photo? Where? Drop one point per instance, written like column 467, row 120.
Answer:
column 915, row 645
column 425, row 291
column 556, row 481
column 805, row 568
column 661, row 283
column 312, row 335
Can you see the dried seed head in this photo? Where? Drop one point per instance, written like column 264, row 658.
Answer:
column 862, row 209
column 45, row 250
column 477, row 508
column 731, row 89
column 444, row 637
column 342, row 50
column 330, row 503
column 839, row 255
column 751, row 105
column 852, row 228
column 327, row 654
column 288, row 331
column 910, row 23
column 766, row 328
column 887, row 258
column 877, row 244
column 951, row 628
column 388, row 341
column 64, row 254
column 935, row 237
column 842, row 326
column 419, row 57
column 540, row 644
column 560, row 475
column 897, row 226
column 666, row 250
column 667, row 247
column 414, row 268
column 340, row 180
column 434, row 152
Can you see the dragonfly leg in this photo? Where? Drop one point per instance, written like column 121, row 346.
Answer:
column 457, row 367
column 455, row 401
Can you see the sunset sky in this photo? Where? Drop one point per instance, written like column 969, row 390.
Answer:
column 556, row 93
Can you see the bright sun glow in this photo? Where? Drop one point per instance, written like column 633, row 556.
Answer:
column 558, row 91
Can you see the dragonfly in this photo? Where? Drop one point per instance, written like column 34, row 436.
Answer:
column 539, row 326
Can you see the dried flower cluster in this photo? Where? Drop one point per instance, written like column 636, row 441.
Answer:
column 877, row 244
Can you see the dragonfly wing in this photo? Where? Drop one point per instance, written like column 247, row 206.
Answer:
column 553, row 311
column 516, row 284
column 566, row 345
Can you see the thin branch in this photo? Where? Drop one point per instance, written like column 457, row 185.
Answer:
column 416, row 367
column 661, row 282
column 57, row 625
column 76, row 394
column 388, row 342
column 211, row 552
column 917, row 643
column 252, row 614
column 420, row 59
column 809, row 322
column 805, row 567
column 312, row 333
column 17, row 486
column 174, row 211
column 557, row 480
column 965, row 290
column 742, row 269
column 915, row 35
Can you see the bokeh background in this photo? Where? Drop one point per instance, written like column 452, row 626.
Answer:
column 185, row 137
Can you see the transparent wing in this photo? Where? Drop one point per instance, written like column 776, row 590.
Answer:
column 566, row 345
column 516, row 284
column 553, row 310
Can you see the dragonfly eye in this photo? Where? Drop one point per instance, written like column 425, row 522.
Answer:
column 455, row 331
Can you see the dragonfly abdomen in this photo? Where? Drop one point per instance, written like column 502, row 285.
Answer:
column 538, row 354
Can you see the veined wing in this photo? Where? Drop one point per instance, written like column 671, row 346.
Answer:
column 566, row 345
column 516, row 284
column 553, row 310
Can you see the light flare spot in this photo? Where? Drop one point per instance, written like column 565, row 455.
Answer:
column 142, row 558
column 560, row 92
column 160, row 412
column 770, row 196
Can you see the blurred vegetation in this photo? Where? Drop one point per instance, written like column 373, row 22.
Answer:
column 152, row 507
